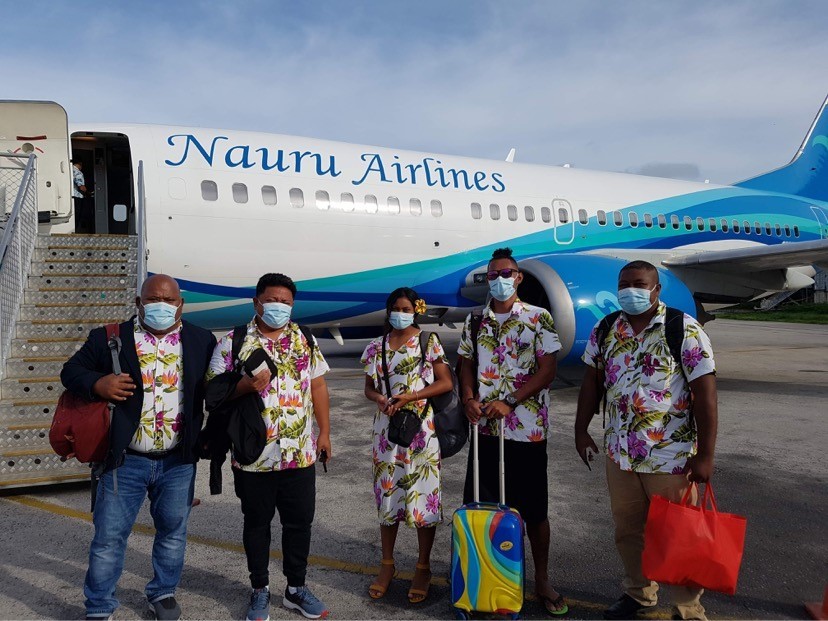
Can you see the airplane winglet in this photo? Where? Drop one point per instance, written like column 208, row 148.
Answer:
column 511, row 157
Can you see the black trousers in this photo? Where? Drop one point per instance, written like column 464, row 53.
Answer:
column 293, row 493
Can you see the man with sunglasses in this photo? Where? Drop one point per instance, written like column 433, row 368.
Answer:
column 508, row 364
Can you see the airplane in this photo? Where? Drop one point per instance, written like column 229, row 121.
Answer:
column 349, row 223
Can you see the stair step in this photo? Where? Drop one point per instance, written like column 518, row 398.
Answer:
column 66, row 294
column 21, row 411
column 33, row 367
column 84, row 254
column 84, row 282
column 59, row 328
column 78, row 268
column 87, row 311
column 35, row 465
column 87, row 241
column 31, row 388
column 22, row 348
column 30, row 434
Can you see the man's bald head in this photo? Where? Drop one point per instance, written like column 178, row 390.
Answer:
column 160, row 284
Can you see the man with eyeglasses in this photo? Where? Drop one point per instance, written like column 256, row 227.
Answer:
column 509, row 361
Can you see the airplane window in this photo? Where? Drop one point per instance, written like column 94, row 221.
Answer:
column 297, row 197
column 787, row 231
column 746, row 227
column 688, row 223
column 323, row 201
column 662, row 221
column 768, row 230
column 436, row 209
column 393, row 205
column 725, row 226
column 268, row 195
column 476, row 211
column 700, row 223
column 371, row 205
column 494, row 211
column 529, row 213
column 583, row 218
column 602, row 217
column 511, row 212
column 778, row 230
column 712, row 224
column 346, row 201
column 415, row 207
column 674, row 220
column 563, row 215
column 618, row 218
column 633, row 219
column 648, row 220
column 546, row 214
column 736, row 226
column 209, row 191
column 796, row 231
column 757, row 227
column 239, row 193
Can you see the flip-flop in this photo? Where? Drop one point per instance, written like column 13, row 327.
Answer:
column 416, row 596
column 550, row 604
column 377, row 591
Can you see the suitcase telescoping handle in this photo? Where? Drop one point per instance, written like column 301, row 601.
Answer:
column 476, row 464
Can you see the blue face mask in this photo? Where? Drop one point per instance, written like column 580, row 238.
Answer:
column 159, row 315
column 276, row 314
column 635, row 301
column 400, row 321
column 502, row 288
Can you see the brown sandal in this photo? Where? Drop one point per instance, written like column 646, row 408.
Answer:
column 415, row 596
column 377, row 590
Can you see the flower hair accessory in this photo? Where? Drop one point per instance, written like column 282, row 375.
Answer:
column 420, row 306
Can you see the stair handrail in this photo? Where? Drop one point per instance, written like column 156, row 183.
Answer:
column 16, row 247
column 141, row 228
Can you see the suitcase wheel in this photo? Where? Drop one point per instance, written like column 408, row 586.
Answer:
column 461, row 614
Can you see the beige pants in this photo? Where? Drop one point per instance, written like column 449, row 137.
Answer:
column 630, row 500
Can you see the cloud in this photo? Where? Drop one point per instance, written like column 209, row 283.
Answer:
column 731, row 86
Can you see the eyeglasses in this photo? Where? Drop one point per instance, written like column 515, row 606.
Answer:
column 507, row 273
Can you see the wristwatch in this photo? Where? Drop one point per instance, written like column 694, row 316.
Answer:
column 510, row 400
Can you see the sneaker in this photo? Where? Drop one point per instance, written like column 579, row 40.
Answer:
column 305, row 602
column 166, row 609
column 259, row 609
column 625, row 607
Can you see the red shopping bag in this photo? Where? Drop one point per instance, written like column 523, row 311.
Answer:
column 693, row 546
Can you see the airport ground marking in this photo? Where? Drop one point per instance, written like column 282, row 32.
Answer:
column 319, row 561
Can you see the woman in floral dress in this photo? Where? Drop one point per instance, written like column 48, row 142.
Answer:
column 406, row 479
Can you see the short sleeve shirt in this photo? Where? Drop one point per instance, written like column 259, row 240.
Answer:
column 508, row 355
column 288, row 413
column 649, row 426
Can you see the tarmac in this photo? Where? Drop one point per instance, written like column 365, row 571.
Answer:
column 770, row 467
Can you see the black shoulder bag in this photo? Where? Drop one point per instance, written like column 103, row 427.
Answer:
column 406, row 423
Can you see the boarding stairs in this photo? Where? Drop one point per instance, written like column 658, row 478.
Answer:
column 69, row 285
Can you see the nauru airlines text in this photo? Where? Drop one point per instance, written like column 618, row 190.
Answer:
column 375, row 168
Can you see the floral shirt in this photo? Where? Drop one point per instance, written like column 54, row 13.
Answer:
column 508, row 355
column 649, row 423
column 77, row 182
column 162, row 376
column 288, row 413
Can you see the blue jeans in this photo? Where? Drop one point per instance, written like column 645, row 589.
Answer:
column 169, row 484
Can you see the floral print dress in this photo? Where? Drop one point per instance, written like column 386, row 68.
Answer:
column 406, row 480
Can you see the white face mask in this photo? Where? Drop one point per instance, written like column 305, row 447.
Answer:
column 635, row 301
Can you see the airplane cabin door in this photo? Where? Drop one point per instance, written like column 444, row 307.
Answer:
column 822, row 219
column 564, row 222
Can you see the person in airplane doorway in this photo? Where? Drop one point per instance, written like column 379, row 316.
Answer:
column 78, row 196
column 293, row 389
column 401, row 377
column 508, row 362
column 159, row 399
column 661, row 421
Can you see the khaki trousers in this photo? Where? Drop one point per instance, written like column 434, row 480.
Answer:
column 630, row 501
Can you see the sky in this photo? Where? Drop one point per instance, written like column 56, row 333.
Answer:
column 693, row 90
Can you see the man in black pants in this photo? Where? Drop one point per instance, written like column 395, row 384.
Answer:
column 289, row 376
column 516, row 346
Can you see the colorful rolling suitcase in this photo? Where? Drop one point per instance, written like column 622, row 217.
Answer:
column 487, row 564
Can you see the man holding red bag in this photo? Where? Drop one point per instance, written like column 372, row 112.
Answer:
column 655, row 367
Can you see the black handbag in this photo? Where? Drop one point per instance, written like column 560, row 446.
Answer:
column 405, row 423
column 450, row 422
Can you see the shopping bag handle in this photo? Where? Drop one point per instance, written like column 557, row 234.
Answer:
column 708, row 496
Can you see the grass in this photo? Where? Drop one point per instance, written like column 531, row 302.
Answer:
column 805, row 313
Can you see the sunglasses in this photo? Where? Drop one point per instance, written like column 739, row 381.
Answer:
column 507, row 273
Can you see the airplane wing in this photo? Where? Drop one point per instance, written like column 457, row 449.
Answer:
column 754, row 258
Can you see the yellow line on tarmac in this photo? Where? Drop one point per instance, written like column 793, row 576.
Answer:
column 319, row 561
